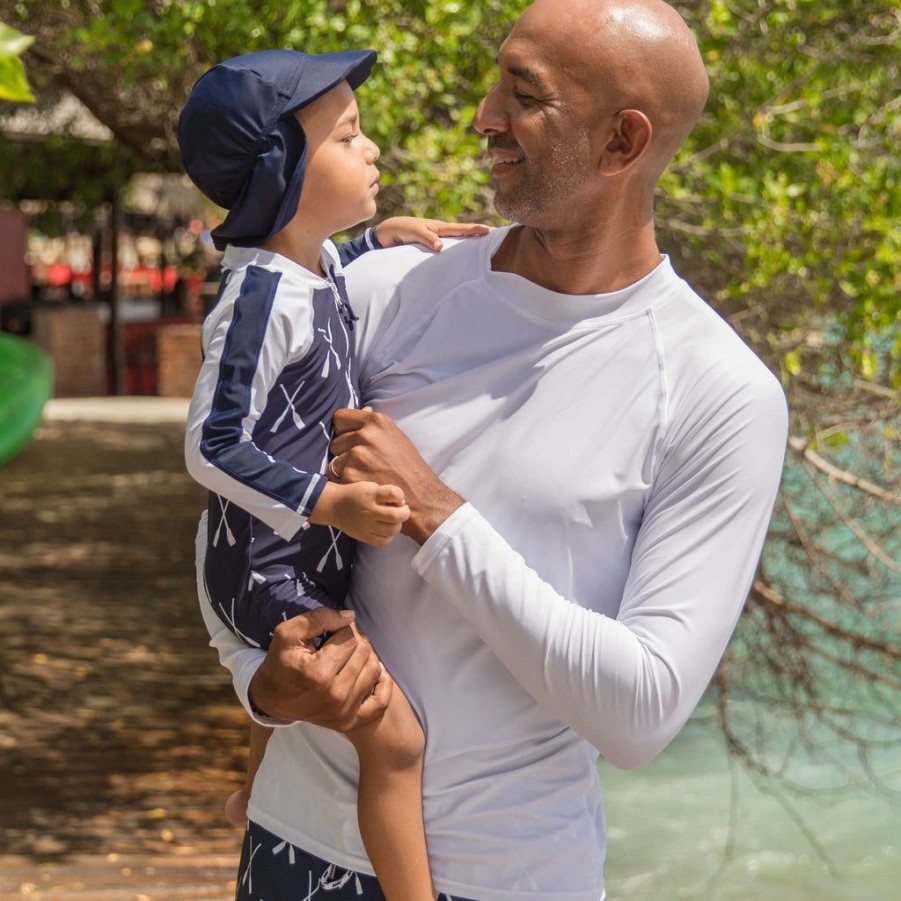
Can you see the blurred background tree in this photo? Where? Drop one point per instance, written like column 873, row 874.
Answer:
column 782, row 208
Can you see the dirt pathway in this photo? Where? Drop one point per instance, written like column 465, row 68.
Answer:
column 119, row 734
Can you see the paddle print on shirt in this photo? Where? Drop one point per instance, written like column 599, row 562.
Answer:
column 255, row 578
column 272, row 867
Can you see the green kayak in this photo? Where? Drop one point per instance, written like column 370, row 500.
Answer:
column 26, row 381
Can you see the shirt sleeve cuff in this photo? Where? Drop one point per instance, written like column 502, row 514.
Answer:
column 441, row 537
column 371, row 239
column 262, row 718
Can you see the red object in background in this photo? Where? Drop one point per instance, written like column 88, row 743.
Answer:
column 58, row 274
column 137, row 281
column 140, row 347
column 85, row 280
column 139, row 340
column 145, row 281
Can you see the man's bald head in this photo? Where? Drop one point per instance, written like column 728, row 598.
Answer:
column 634, row 54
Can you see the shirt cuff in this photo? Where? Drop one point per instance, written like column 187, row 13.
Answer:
column 442, row 536
column 261, row 717
column 372, row 242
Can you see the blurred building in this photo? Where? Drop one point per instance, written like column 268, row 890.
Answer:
column 101, row 264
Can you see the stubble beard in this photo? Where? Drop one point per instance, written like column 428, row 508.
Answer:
column 537, row 191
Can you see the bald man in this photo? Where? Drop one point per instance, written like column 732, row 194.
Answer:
column 590, row 456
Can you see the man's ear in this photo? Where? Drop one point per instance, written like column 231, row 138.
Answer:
column 631, row 137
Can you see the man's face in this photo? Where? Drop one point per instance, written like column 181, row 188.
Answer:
column 541, row 125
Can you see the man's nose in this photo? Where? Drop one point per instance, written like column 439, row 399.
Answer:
column 489, row 118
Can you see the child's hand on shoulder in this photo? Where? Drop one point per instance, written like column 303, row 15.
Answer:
column 409, row 230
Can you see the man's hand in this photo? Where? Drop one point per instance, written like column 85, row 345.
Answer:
column 369, row 447
column 339, row 686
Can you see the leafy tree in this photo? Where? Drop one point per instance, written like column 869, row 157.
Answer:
column 789, row 184
column 133, row 62
column 783, row 208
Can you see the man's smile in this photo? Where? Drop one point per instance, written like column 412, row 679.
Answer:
column 504, row 159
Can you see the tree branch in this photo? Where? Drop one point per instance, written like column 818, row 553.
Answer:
column 766, row 595
column 802, row 449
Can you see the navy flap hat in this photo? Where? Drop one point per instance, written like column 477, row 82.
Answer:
column 241, row 143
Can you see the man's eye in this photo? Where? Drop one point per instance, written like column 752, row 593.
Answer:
column 523, row 98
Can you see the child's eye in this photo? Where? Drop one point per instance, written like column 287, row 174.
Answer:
column 348, row 139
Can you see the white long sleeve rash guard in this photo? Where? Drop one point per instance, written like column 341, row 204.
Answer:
column 620, row 454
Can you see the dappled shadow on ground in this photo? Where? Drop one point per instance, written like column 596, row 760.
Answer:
column 119, row 732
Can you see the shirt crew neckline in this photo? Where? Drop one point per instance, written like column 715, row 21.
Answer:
column 236, row 257
column 577, row 310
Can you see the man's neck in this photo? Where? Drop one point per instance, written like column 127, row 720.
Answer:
column 590, row 261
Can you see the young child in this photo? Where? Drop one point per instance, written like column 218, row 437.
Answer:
column 274, row 137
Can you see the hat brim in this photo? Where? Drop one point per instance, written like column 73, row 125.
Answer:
column 323, row 71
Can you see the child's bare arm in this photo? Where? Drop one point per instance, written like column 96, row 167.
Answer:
column 366, row 511
column 410, row 230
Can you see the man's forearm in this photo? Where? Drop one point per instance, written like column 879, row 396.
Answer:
column 260, row 688
column 627, row 687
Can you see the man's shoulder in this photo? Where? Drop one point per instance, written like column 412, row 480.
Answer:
column 387, row 264
column 694, row 331
column 398, row 267
column 392, row 289
column 709, row 367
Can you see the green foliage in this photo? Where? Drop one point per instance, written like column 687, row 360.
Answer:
column 435, row 63
column 13, row 83
column 783, row 207
column 790, row 183
column 64, row 168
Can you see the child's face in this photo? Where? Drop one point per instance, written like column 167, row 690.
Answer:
column 341, row 180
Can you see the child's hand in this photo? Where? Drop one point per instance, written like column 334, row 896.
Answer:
column 410, row 230
column 364, row 510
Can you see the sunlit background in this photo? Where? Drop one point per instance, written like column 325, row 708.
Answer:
column 119, row 734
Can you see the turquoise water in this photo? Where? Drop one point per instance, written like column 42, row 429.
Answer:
column 689, row 825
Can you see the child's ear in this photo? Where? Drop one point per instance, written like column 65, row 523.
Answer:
column 630, row 138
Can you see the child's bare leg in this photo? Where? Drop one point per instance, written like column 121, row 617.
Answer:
column 236, row 805
column 389, row 803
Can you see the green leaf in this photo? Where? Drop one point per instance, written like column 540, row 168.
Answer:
column 13, row 83
column 793, row 362
column 12, row 42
